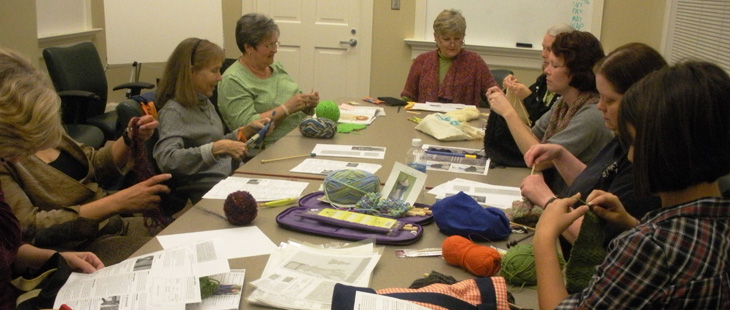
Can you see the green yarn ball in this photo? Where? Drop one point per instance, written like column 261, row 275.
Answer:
column 328, row 109
column 518, row 265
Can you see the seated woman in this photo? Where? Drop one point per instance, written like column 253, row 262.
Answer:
column 192, row 145
column 537, row 100
column 573, row 121
column 449, row 74
column 610, row 170
column 256, row 86
column 23, row 87
column 675, row 121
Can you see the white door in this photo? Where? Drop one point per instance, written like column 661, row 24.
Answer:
column 325, row 44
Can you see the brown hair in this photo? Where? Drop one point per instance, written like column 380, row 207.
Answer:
column 580, row 50
column 177, row 80
column 628, row 64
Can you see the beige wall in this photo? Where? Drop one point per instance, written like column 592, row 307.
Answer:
column 623, row 21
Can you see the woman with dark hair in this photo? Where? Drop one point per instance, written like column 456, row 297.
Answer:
column 192, row 145
column 256, row 86
column 610, row 170
column 676, row 123
column 573, row 121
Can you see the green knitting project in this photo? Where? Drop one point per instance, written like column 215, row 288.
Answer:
column 587, row 253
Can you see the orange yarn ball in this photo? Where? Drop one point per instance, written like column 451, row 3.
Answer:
column 478, row 259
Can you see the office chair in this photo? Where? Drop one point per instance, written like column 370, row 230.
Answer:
column 79, row 78
column 499, row 75
column 86, row 134
column 214, row 99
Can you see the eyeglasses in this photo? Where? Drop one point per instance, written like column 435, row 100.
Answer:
column 451, row 41
column 272, row 45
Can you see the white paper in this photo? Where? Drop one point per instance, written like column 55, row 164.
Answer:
column 260, row 189
column 256, row 242
column 438, row 107
column 359, row 115
column 404, row 183
column 325, row 166
column 357, row 151
column 485, row 194
column 228, row 295
column 368, row 301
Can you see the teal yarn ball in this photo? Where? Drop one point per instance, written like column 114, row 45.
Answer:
column 518, row 265
column 328, row 109
column 323, row 128
column 349, row 186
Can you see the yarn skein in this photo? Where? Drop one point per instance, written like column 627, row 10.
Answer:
column 318, row 128
column 518, row 265
column 349, row 186
column 328, row 109
column 478, row 259
column 240, row 208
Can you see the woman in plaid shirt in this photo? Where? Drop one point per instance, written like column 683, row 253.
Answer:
column 677, row 121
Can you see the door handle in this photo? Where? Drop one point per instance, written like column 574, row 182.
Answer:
column 352, row 42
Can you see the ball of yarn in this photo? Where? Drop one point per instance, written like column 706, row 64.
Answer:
column 350, row 185
column 518, row 265
column 318, row 128
column 240, row 208
column 328, row 109
column 478, row 259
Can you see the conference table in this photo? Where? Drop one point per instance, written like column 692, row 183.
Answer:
column 393, row 131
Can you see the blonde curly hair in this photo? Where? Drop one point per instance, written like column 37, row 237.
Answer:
column 30, row 117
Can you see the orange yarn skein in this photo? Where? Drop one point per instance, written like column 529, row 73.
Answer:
column 478, row 259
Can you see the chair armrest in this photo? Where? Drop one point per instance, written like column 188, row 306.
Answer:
column 135, row 87
column 78, row 94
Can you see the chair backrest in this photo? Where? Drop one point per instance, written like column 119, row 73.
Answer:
column 78, row 67
column 500, row 74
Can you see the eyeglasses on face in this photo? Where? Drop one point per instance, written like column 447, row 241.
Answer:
column 272, row 45
column 454, row 41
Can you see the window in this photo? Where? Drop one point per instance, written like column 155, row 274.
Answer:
column 698, row 29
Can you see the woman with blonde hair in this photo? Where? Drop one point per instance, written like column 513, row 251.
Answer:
column 192, row 145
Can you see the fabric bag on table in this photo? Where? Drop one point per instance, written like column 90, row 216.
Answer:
column 38, row 290
column 461, row 215
column 444, row 128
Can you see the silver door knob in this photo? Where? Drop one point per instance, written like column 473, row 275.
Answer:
column 352, row 42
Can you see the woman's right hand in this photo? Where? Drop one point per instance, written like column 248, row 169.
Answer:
column 143, row 195
column 609, row 207
column 516, row 88
column 300, row 102
column 233, row 148
column 542, row 152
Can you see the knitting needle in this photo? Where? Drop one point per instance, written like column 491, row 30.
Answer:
column 263, row 161
column 513, row 243
column 533, row 169
column 523, row 226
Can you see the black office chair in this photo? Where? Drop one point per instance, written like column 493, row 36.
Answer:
column 78, row 75
column 214, row 99
column 86, row 134
column 500, row 74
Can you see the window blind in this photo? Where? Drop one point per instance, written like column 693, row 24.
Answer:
column 698, row 29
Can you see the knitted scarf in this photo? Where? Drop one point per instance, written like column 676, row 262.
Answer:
column 154, row 218
column 564, row 112
column 586, row 254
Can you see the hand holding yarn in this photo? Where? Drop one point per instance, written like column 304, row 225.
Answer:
column 478, row 259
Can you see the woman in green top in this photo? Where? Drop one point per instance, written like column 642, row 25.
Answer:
column 256, row 86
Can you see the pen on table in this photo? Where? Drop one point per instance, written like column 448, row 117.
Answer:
column 452, row 154
column 280, row 202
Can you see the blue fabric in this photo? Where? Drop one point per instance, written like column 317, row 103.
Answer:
column 462, row 215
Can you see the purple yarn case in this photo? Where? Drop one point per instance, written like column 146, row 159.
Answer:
column 295, row 218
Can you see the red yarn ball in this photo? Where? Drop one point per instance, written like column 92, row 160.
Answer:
column 240, row 208
column 478, row 259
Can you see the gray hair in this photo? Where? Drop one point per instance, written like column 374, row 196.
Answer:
column 450, row 22
column 557, row 29
column 253, row 28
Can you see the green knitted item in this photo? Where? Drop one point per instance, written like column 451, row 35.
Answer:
column 586, row 254
column 347, row 127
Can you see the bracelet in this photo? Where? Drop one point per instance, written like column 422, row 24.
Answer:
column 550, row 201
column 126, row 138
column 286, row 111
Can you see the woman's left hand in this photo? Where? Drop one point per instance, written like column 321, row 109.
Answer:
column 498, row 102
column 85, row 261
column 147, row 125
column 558, row 216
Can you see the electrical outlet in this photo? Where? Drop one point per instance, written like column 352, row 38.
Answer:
column 395, row 4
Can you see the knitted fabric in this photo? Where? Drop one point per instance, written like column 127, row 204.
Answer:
column 587, row 253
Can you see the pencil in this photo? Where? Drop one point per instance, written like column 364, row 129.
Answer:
column 263, row 161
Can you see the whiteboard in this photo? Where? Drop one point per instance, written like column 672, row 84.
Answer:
column 148, row 31
column 503, row 23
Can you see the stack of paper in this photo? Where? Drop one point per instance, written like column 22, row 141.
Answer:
column 485, row 194
column 260, row 189
column 298, row 276
column 438, row 107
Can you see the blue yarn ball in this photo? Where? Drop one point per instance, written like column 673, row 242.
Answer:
column 350, row 185
column 318, row 128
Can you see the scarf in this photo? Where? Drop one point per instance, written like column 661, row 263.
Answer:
column 563, row 113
